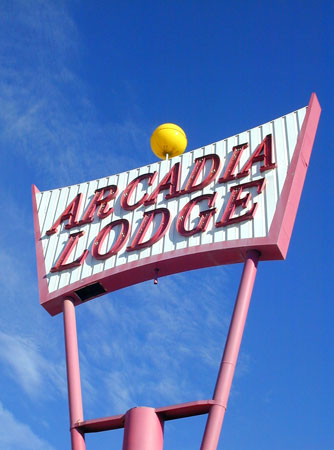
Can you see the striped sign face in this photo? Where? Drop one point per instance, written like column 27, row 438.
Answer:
column 206, row 207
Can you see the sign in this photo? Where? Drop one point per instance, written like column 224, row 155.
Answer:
column 206, row 207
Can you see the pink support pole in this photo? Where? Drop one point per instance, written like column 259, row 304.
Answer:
column 73, row 374
column 230, row 356
column 143, row 430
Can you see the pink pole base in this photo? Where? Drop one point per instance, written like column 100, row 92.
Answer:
column 143, row 430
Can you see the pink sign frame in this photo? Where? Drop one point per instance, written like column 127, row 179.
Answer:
column 272, row 247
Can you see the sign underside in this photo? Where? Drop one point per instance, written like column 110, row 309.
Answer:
column 206, row 207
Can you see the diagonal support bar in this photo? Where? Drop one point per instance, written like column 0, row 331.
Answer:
column 230, row 356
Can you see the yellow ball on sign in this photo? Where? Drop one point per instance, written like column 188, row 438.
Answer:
column 168, row 139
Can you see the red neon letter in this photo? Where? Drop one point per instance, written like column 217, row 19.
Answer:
column 130, row 189
column 122, row 237
column 71, row 214
column 191, row 185
column 228, row 174
column 171, row 181
column 102, row 202
column 137, row 242
column 71, row 243
column 262, row 153
column 235, row 201
column 205, row 216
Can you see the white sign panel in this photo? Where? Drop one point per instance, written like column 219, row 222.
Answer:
column 205, row 207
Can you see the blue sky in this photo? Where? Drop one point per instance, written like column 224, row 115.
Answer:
column 82, row 87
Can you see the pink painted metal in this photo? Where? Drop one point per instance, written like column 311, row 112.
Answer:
column 287, row 207
column 165, row 413
column 230, row 356
column 73, row 375
column 273, row 246
column 143, row 427
column 143, row 430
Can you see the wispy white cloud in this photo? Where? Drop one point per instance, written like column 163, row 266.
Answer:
column 16, row 435
column 121, row 393
column 46, row 114
column 22, row 360
column 10, row 276
column 157, row 344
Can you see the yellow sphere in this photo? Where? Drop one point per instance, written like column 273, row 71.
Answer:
column 168, row 139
